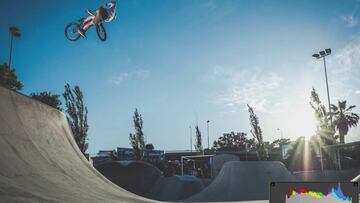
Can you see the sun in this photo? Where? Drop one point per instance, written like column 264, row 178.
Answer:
column 297, row 120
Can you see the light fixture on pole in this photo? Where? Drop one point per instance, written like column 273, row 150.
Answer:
column 323, row 54
column 208, row 139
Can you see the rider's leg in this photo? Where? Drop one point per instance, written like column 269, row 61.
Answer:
column 88, row 24
column 87, row 19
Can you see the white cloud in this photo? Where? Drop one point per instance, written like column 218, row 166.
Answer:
column 246, row 87
column 350, row 20
column 122, row 76
column 343, row 67
column 357, row 92
column 282, row 104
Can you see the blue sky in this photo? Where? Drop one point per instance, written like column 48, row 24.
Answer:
column 176, row 60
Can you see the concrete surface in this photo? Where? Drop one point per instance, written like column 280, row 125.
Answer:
column 40, row 161
column 243, row 181
column 146, row 180
column 137, row 177
column 175, row 188
column 219, row 160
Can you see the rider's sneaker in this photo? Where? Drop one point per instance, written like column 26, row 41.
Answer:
column 82, row 33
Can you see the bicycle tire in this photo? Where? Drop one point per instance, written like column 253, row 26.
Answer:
column 67, row 29
column 100, row 29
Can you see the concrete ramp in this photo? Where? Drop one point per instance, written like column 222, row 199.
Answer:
column 40, row 161
column 175, row 188
column 219, row 160
column 239, row 181
column 137, row 177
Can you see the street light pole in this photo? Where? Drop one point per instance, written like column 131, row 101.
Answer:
column 207, row 127
column 281, row 133
column 327, row 87
column 11, row 47
column 323, row 54
column 321, row 156
column 14, row 32
column 281, row 146
column 190, row 138
column 246, row 151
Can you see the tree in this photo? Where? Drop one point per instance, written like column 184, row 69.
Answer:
column 77, row 115
column 344, row 118
column 257, row 134
column 48, row 98
column 8, row 78
column 324, row 128
column 137, row 139
column 149, row 146
column 198, row 142
column 231, row 142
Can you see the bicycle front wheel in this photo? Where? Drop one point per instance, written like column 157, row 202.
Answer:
column 72, row 31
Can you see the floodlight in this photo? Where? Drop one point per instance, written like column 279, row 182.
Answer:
column 14, row 29
column 322, row 53
column 328, row 51
column 316, row 55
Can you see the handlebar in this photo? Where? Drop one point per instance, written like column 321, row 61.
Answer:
column 90, row 12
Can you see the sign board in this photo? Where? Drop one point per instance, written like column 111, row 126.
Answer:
column 159, row 154
column 125, row 153
column 128, row 154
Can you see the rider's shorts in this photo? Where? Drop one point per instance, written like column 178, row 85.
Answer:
column 100, row 15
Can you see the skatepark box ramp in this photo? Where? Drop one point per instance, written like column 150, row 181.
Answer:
column 40, row 161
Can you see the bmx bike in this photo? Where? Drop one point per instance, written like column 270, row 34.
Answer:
column 72, row 29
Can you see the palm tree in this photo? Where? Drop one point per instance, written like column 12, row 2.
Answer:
column 344, row 118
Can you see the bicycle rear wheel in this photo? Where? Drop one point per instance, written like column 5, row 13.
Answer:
column 72, row 31
column 101, row 32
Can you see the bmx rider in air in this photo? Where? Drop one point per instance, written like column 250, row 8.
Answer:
column 105, row 13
